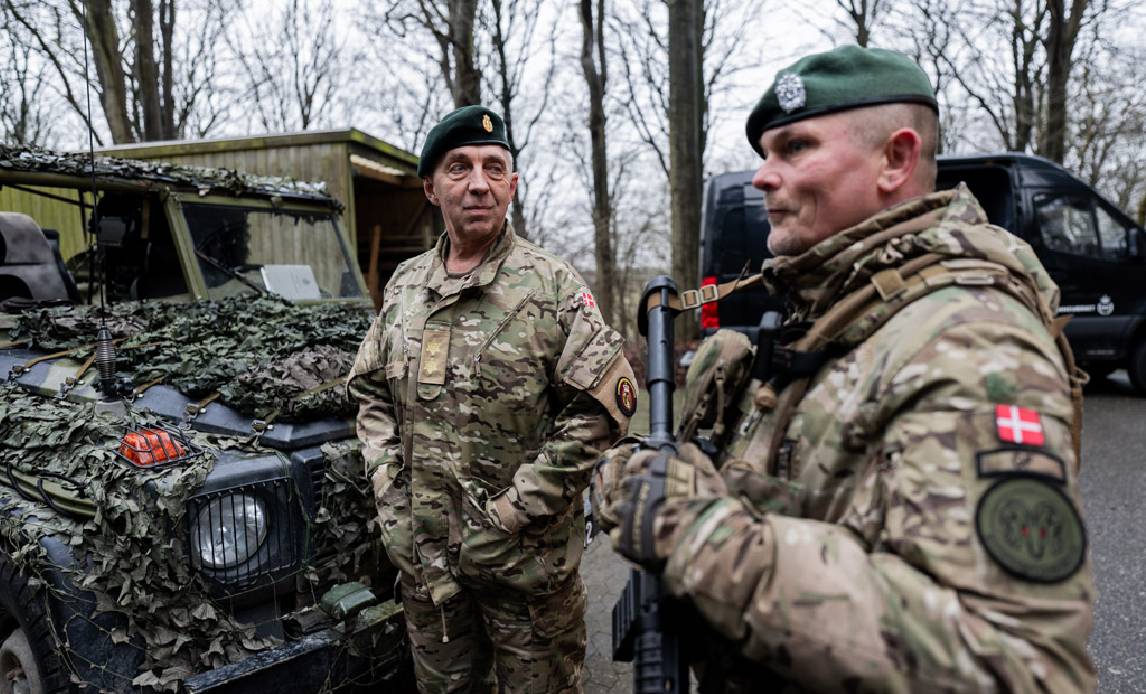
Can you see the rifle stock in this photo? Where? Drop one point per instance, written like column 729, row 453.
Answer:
column 642, row 629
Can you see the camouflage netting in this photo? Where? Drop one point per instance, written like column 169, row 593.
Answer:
column 137, row 560
column 264, row 356
column 131, row 527
column 201, row 179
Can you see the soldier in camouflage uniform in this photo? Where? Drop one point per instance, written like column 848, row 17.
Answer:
column 488, row 386
column 903, row 515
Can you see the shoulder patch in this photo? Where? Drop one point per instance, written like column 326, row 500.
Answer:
column 626, row 394
column 1031, row 529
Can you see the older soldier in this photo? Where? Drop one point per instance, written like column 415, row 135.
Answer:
column 897, row 509
column 488, row 386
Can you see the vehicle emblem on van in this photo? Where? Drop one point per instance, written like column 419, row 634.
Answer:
column 790, row 92
column 1105, row 305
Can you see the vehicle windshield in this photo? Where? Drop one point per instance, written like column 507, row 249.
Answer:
column 250, row 250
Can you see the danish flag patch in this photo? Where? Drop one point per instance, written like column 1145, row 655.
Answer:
column 1018, row 425
column 586, row 300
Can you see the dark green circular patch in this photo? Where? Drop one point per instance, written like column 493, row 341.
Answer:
column 1031, row 529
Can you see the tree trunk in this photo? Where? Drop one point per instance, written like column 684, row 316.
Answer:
column 686, row 64
column 146, row 72
column 592, row 40
column 505, row 100
column 167, row 34
column 467, row 77
column 101, row 30
column 1061, row 38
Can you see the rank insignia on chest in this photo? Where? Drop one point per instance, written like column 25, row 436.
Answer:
column 1018, row 425
column 435, row 352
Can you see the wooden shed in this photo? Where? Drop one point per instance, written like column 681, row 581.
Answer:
column 387, row 216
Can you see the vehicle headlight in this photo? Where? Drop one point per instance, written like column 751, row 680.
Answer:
column 229, row 530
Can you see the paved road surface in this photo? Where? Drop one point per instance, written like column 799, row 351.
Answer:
column 1114, row 491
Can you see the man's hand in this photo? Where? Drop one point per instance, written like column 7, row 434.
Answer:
column 638, row 495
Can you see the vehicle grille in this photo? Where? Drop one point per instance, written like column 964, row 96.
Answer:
column 317, row 477
column 246, row 534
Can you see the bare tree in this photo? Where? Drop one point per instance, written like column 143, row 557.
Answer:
column 23, row 108
column 293, row 79
column 1062, row 36
column 450, row 24
column 862, row 16
column 686, row 127
column 149, row 86
column 594, row 66
column 512, row 28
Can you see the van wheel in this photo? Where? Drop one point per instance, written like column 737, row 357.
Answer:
column 1137, row 367
column 29, row 661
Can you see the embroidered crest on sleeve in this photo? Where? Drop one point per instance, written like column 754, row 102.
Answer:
column 1031, row 529
column 626, row 394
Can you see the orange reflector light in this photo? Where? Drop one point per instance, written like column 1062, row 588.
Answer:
column 150, row 447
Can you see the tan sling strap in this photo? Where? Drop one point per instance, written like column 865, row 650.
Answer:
column 707, row 294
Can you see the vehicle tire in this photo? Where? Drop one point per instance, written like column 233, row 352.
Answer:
column 1136, row 368
column 29, row 661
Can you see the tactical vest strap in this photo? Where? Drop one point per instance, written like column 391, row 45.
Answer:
column 707, row 294
column 858, row 315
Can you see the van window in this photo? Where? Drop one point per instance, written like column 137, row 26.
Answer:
column 1112, row 233
column 1066, row 225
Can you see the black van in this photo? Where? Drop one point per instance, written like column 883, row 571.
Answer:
column 1095, row 253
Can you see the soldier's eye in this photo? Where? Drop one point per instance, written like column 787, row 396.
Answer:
column 796, row 145
column 456, row 169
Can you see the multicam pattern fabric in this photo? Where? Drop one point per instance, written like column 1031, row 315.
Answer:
column 485, row 400
column 870, row 575
column 493, row 642
column 264, row 356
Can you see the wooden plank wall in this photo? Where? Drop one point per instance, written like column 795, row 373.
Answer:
column 328, row 162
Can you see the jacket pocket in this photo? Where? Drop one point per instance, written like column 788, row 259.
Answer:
column 392, row 504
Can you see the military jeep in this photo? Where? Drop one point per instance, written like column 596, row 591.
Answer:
column 183, row 505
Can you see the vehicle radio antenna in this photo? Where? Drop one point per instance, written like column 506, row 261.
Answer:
column 105, row 359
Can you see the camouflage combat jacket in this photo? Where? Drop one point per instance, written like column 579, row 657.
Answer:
column 919, row 529
column 496, row 389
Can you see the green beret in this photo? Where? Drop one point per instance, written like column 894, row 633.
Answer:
column 469, row 125
column 840, row 79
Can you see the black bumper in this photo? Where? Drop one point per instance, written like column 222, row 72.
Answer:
column 374, row 660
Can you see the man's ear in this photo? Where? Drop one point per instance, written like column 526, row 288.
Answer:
column 513, row 177
column 428, row 189
column 900, row 158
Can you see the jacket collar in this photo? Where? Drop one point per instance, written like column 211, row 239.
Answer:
column 950, row 223
column 437, row 280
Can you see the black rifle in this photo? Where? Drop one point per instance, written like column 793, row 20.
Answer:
column 642, row 629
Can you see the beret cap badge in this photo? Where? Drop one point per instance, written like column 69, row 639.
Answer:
column 469, row 125
column 790, row 92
